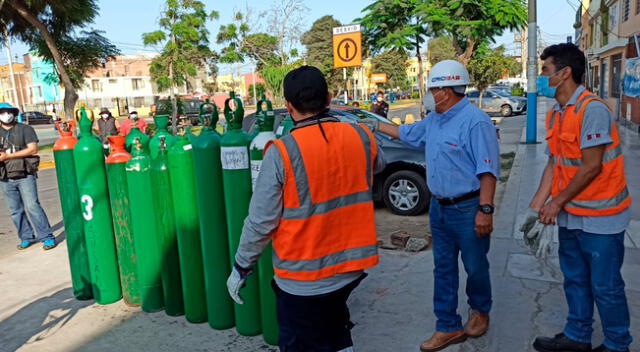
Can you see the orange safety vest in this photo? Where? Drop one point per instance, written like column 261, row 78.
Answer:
column 327, row 225
column 607, row 194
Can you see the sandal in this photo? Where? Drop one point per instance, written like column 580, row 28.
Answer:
column 48, row 244
column 24, row 245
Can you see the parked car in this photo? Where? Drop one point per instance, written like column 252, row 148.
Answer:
column 497, row 101
column 36, row 117
column 188, row 109
column 402, row 184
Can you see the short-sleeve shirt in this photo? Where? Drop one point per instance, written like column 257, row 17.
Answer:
column 459, row 144
column 17, row 138
column 595, row 130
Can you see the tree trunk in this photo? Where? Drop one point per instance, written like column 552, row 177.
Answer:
column 70, row 95
column 174, row 103
column 480, row 98
column 464, row 55
column 420, row 78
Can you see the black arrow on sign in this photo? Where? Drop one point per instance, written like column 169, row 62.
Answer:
column 346, row 49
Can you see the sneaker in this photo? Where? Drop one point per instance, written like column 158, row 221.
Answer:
column 560, row 343
column 603, row 348
column 49, row 244
column 24, row 245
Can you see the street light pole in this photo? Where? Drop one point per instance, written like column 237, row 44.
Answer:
column 532, row 73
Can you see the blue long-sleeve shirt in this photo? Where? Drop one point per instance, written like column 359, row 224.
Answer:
column 459, row 145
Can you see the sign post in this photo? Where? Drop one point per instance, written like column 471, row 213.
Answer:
column 347, row 50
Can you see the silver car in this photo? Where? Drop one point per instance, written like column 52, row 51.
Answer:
column 497, row 101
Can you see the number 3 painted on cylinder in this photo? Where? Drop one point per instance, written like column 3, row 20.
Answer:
column 87, row 202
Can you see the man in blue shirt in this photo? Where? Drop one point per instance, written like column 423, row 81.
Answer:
column 463, row 164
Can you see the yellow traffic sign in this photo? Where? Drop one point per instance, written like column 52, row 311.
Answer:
column 347, row 46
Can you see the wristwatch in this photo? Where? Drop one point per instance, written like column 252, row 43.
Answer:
column 486, row 208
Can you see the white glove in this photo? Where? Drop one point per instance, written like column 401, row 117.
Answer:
column 371, row 123
column 530, row 217
column 235, row 282
column 532, row 236
column 544, row 242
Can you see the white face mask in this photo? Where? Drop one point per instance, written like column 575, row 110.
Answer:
column 429, row 102
column 104, row 116
column 7, row 117
column 134, row 116
column 379, row 98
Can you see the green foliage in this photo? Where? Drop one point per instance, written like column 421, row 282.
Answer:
column 469, row 22
column 241, row 44
column 260, row 90
column 184, row 39
column 488, row 66
column 393, row 24
column 394, row 64
column 319, row 45
column 274, row 78
column 440, row 49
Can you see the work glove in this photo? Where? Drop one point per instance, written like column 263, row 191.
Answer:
column 533, row 234
column 544, row 242
column 236, row 281
column 530, row 218
column 371, row 123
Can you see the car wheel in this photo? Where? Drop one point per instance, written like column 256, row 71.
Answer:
column 406, row 193
column 506, row 110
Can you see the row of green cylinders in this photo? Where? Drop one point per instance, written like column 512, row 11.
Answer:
column 159, row 226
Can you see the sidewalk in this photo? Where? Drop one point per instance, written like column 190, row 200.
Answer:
column 392, row 308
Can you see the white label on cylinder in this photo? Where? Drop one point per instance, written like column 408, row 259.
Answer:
column 279, row 131
column 255, row 170
column 234, row 158
column 187, row 147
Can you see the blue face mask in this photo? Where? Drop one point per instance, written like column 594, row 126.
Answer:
column 543, row 86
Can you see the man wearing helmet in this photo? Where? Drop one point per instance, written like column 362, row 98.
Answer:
column 18, row 169
column 462, row 154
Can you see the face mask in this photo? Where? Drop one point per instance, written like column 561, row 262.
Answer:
column 543, row 86
column 429, row 102
column 6, row 117
column 436, row 103
column 104, row 116
column 134, row 116
column 379, row 98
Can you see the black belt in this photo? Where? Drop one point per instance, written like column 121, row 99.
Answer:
column 454, row 200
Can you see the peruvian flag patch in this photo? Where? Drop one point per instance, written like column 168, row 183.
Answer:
column 488, row 161
column 593, row 136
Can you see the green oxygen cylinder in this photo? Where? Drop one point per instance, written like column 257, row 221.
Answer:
column 213, row 225
column 166, row 226
column 70, row 204
column 236, row 176
column 96, row 212
column 132, row 135
column 185, row 210
column 265, row 266
column 259, row 120
column 161, row 122
column 146, row 239
column 122, row 229
column 286, row 125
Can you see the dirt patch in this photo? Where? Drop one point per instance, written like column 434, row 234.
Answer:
column 388, row 223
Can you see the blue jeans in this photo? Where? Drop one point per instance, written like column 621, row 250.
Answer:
column 452, row 229
column 591, row 266
column 21, row 197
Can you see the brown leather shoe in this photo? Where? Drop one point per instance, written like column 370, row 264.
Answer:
column 477, row 325
column 440, row 340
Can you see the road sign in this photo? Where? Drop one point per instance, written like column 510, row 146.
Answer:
column 347, row 46
column 379, row 78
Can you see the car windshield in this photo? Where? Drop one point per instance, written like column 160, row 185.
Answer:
column 502, row 92
column 363, row 114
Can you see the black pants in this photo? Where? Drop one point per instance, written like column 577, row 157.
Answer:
column 314, row 323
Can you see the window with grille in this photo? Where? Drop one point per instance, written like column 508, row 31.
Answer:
column 96, row 86
column 138, row 102
column 626, row 10
column 637, row 7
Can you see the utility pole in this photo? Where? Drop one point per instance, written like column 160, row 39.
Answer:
column 344, row 77
column 253, row 78
column 532, row 73
column 12, row 78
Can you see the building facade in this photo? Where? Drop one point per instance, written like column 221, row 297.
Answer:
column 45, row 92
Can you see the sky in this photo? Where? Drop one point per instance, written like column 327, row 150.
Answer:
column 124, row 21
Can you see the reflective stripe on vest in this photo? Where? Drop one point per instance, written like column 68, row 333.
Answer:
column 601, row 203
column 327, row 260
column 609, row 155
column 308, row 208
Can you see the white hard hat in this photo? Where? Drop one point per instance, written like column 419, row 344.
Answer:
column 448, row 73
